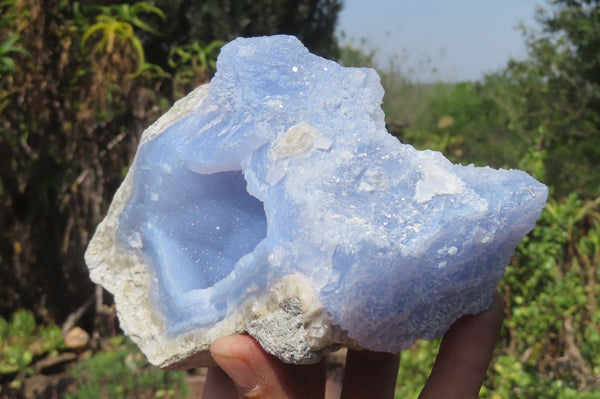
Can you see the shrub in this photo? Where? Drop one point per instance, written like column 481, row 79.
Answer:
column 122, row 372
column 21, row 341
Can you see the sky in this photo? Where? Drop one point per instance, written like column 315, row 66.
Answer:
column 450, row 40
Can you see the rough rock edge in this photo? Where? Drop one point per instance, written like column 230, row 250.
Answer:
column 292, row 303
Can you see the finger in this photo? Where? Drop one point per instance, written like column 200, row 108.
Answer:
column 256, row 374
column 465, row 354
column 218, row 385
column 370, row 375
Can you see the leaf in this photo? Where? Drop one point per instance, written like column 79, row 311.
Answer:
column 142, row 5
column 22, row 323
column 8, row 46
column 94, row 28
column 7, row 65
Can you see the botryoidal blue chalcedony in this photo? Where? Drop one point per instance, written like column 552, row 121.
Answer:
column 273, row 201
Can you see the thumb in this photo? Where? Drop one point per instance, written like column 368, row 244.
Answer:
column 256, row 374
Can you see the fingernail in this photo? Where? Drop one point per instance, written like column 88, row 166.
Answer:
column 237, row 369
column 241, row 374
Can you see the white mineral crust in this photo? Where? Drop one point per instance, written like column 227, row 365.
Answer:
column 274, row 202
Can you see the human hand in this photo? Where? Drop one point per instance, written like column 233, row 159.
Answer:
column 247, row 371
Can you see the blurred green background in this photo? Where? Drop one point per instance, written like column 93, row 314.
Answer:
column 79, row 82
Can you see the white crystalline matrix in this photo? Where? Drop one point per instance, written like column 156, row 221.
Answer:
column 274, row 201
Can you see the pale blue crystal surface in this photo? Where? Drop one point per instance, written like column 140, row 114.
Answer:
column 287, row 168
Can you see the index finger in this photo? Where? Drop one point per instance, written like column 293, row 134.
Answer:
column 465, row 354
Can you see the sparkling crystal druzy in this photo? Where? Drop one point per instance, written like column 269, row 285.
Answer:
column 277, row 187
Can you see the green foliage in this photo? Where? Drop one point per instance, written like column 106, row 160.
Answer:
column 552, row 98
column 8, row 16
column 59, row 110
column 121, row 371
column 9, row 41
column 117, row 22
column 553, row 287
column 312, row 21
column 518, row 380
column 21, row 324
column 132, row 14
column 462, row 121
column 415, row 365
column 21, row 341
column 193, row 64
column 7, row 48
column 534, row 162
column 579, row 22
column 353, row 54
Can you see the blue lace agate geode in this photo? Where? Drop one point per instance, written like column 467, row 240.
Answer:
column 284, row 168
